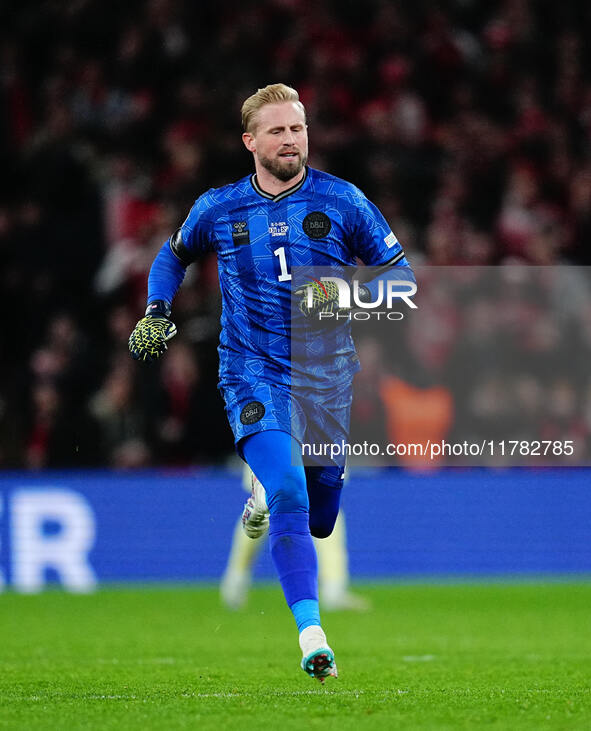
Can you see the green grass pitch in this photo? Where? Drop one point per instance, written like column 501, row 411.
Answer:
column 443, row 656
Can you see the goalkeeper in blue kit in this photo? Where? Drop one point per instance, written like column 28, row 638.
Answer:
column 283, row 216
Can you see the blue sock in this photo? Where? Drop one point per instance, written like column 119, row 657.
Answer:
column 324, row 486
column 306, row 613
column 294, row 556
column 269, row 454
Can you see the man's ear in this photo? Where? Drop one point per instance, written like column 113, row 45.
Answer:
column 249, row 142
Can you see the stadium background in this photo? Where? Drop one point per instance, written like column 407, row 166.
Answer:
column 468, row 123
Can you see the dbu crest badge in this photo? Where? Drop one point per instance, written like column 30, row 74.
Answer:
column 317, row 225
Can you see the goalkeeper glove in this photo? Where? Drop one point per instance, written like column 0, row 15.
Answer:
column 315, row 297
column 148, row 340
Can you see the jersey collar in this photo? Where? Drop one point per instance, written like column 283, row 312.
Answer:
column 284, row 193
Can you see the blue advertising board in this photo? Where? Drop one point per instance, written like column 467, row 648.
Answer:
column 80, row 529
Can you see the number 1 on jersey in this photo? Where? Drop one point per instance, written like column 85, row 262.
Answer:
column 285, row 276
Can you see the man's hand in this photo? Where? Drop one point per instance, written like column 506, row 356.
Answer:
column 147, row 342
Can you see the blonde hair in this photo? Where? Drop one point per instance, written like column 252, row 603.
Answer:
column 271, row 94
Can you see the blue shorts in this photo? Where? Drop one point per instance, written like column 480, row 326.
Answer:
column 312, row 416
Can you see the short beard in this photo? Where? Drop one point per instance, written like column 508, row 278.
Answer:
column 282, row 170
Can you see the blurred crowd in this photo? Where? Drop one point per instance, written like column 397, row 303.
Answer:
column 468, row 122
column 491, row 355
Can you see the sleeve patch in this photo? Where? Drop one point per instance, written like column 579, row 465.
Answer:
column 390, row 240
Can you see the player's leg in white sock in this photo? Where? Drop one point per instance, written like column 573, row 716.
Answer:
column 333, row 571
column 237, row 576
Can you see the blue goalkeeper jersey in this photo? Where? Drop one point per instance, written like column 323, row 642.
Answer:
column 322, row 221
